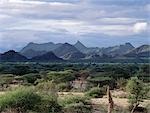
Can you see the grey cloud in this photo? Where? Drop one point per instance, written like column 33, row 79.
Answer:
column 55, row 20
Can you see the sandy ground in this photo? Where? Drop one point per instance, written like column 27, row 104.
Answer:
column 120, row 102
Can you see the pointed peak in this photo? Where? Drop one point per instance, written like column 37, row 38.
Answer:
column 78, row 42
column 129, row 44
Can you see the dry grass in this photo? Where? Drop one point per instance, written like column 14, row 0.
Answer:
column 2, row 93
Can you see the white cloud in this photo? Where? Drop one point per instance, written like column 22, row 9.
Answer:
column 140, row 27
column 74, row 27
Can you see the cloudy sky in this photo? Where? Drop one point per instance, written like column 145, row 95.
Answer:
column 94, row 22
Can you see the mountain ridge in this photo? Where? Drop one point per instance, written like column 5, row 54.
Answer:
column 141, row 51
column 77, row 51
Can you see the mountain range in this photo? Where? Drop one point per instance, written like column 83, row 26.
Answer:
column 65, row 51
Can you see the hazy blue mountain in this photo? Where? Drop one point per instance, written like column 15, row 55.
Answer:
column 49, row 56
column 82, row 48
column 12, row 56
column 68, row 51
column 86, row 50
column 40, row 47
column 29, row 53
column 142, row 51
column 80, row 51
column 117, row 50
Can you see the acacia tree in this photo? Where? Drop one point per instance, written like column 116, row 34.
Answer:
column 136, row 92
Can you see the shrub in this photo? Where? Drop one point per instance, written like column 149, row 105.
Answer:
column 31, row 78
column 20, row 99
column 61, row 76
column 136, row 92
column 63, row 87
column 96, row 92
column 78, row 108
column 75, row 104
column 102, row 80
column 47, row 88
column 121, row 83
column 48, row 105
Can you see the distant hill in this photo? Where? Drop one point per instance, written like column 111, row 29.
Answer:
column 39, row 47
column 12, row 56
column 117, row 50
column 49, row 56
column 78, row 51
column 68, row 51
column 30, row 53
column 142, row 51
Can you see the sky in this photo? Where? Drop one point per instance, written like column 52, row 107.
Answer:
column 100, row 23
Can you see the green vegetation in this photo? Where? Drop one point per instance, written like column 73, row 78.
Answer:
column 76, row 104
column 21, row 100
column 137, row 92
column 96, row 92
column 71, row 87
column 61, row 76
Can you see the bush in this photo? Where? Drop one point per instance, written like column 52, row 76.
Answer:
column 47, row 88
column 63, row 87
column 75, row 104
column 78, row 108
column 61, row 76
column 136, row 92
column 121, row 83
column 31, row 78
column 96, row 92
column 20, row 99
column 48, row 105
column 102, row 80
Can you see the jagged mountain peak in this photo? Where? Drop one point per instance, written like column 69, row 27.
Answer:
column 81, row 47
column 78, row 43
column 129, row 45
